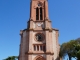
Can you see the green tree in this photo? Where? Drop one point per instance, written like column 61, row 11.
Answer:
column 76, row 52
column 11, row 58
column 78, row 40
column 62, row 52
column 67, row 49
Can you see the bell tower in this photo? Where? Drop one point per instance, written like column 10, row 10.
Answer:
column 39, row 41
column 39, row 10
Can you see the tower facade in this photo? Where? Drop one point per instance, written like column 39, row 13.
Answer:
column 39, row 41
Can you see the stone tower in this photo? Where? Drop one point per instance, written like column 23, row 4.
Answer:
column 39, row 41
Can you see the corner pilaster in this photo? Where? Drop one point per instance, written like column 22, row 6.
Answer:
column 47, row 41
column 30, row 41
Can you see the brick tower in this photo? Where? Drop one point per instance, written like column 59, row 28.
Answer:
column 39, row 41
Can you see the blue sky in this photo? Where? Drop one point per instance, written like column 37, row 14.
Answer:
column 14, row 14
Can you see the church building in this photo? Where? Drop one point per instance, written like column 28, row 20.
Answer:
column 39, row 41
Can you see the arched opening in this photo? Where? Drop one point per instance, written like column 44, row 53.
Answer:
column 41, row 13
column 39, row 58
column 37, row 13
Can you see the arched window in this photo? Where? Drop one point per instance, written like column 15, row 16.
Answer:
column 37, row 13
column 40, row 13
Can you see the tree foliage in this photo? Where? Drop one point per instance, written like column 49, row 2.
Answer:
column 76, row 52
column 11, row 58
column 71, row 48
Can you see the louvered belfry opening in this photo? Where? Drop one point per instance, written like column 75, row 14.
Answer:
column 39, row 11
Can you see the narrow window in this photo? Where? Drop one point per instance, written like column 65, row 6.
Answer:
column 41, row 47
column 44, row 49
column 34, row 48
column 41, row 13
column 37, row 48
column 37, row 13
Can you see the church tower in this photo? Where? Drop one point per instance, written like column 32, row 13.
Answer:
column 39, row 41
